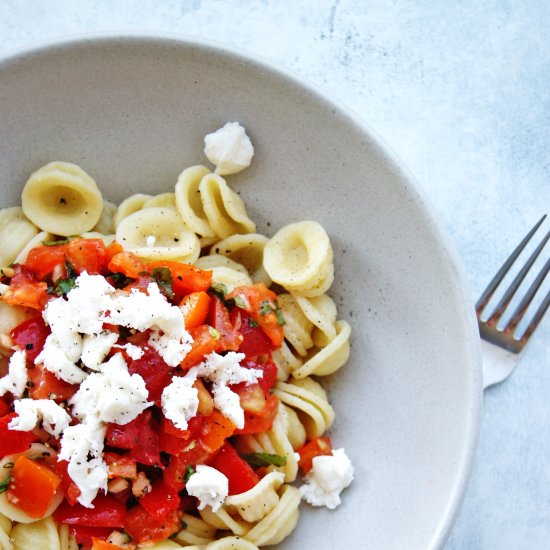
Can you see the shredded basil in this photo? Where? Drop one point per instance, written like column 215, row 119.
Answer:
column 280, row 317
column 219, row 290
column 164, row 279
column 265, row 307
column 72, row 273
column 252, row 323
column 239, row 302
column 188, row 473
column 63, row 286
column 264, row 459
column 55, row 243
column 120, row 280
column 4, row 484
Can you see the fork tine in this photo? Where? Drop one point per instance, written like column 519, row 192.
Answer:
column 497, row 279
column 509, row 294
column 536, row 319
column 518, row 314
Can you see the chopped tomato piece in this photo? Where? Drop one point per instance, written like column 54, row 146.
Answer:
column 86, row 255
column 186, row 278
column 251, row 396
column 142, row 527
column 31, row 335
column 205, row 341
column 316, row 447
column 176, row 471
column 4, row 407
column 161, row 501
column 120, row 466
column 269, row 373
column 261, row 304
column 42, row 260
column 218, row 317
column 195, row 308
column 22, row 274
column 128, row 264
column 112, row 250
column 45, row 385
column 85, row 535
column 107, row 512
column 98, row 544
column 13, row 441
column 33, row 295
column 255, row 340
column 68, row 487
column 261, row 422
column 32, row 486
column 240, row 474
column 216, row 429
column 154, row 371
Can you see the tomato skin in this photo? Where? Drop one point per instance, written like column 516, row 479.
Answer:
column 240, row 474
column 195, row 308
column 154, row 371
column 161, row 501
column 84, row 535
column 186, row 278
column 86, row 255
column 127, row 263
column 142, row 527
column 261, row 422
column 255, row 341
column 218, row 317
column 320, row 446
column 31, row 335
column 204, row 342
column 107, row 512
column 33, row 295
column 13, row 441
column 42, row 260
column 175, row 472
column 45, row 385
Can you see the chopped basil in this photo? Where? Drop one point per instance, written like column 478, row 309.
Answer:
column 55, row 243
column 120, row 280
column 239, row 302
column 252, row 323
column 72, row 273
column 266, row 307
column 188, row 473
column 4, row 484
column 63, row 286
column 280, row 317
column 215, row 333
column 163, row 277
column 264, row 459
column 219, row 290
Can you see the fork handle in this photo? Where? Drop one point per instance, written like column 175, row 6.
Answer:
column 498, row 363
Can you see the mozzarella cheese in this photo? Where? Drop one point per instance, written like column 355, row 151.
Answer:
column 180, row 400
column 95, row 348
column 229, row 148
column 328, row 477
column 209, row 485
column 54, row 359
column 16, row 379
column 30, row 411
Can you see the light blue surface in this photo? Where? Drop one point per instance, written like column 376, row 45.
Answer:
column 461, row 91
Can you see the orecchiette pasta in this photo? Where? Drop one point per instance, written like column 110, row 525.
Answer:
column 130, row 205
column 39, row 535
column 16, row 231
column 106, row 223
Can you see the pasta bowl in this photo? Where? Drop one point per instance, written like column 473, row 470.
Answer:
column 133, row 111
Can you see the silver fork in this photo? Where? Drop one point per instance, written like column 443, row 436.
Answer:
column 501, row 349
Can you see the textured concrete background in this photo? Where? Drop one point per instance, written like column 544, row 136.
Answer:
column 461, row 91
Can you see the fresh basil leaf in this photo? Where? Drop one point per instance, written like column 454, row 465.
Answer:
column 219, row 290
column 63, row 286
column 252, row 323
column 188, row 473
column 265, row 307
column 55, row 243
column 71, row 271
column 120, row 280
column 280, row 317
column 264, row 459
column 4, row 484
column 164, row 279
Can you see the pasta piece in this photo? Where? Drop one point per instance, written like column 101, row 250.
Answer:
column 158, row 234
column 164, row 200
column 5, row 528
column 330, row 358
column 286, row 362
column 162, row 545
column 35, row 451
column 37, row 240
column 299, row 257
column 217, row 260
column 11, row 316
column 247, row 250
column 106, row 223
column 221, row 519
column 309, row 399
column 15, row 233
column 225, row 271
column 295, row 430
column 224, row 209
column 107, row 239
column 63, row 199
column 66, row 540
column 280, row 522
column 40, row 535
column 208, row 241
column 196, row 531
column 188, row 200
column 297, row 327
column 231, row 543
column 130, row 205
column 321, row 311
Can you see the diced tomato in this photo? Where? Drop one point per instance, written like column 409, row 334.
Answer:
column 32, row 486
column 112, row 250
column 218, row 317
column 239, row 473
column 31, row 335
column 142, row 527
column 175, row 472
column 128, row 264
column 205, row 341
column 216, row 429
column 86, row 255
column 251, row 397
column 45, row 385
column 261, row 304
column 255, row 340
column 265, row 382
column 171, row 444
column 22, row 274
column 261, row 422
column 85, row 535
column 139, row 436
column 141, row 283
column 316, row 447
column 4, row 407
column 13, row 441
column 195, row 308
column 107, row 512
column 161, row 501
column 98, row 544
column 120, row 466
column 68, row 487
column 42, row 260
column 186, row 278
column 154, row 371
column 33, row 295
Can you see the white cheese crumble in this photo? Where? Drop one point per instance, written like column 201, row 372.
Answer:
column 16, row 379
column 229, row 148
column 223, row 370
column 209, row 485
column 30, row 411
column 328, row 477
column 95, row 348
column 56, row 361
column 180, row 400
column 133, row 352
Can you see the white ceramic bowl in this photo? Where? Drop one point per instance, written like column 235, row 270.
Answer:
column 133, row 113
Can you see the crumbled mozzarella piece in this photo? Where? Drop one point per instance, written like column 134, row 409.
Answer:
column 29, row 412
column 54, row 359
column 16, row 379
column 223, row 370
column 329, row 476
column 95, row 348
column 82, row 447
column 208, row 485
column 180, row 400
column 229, row 148
column 112, row 394
column 133, row 352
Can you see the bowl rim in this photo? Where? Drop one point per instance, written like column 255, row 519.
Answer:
column 474, row 403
